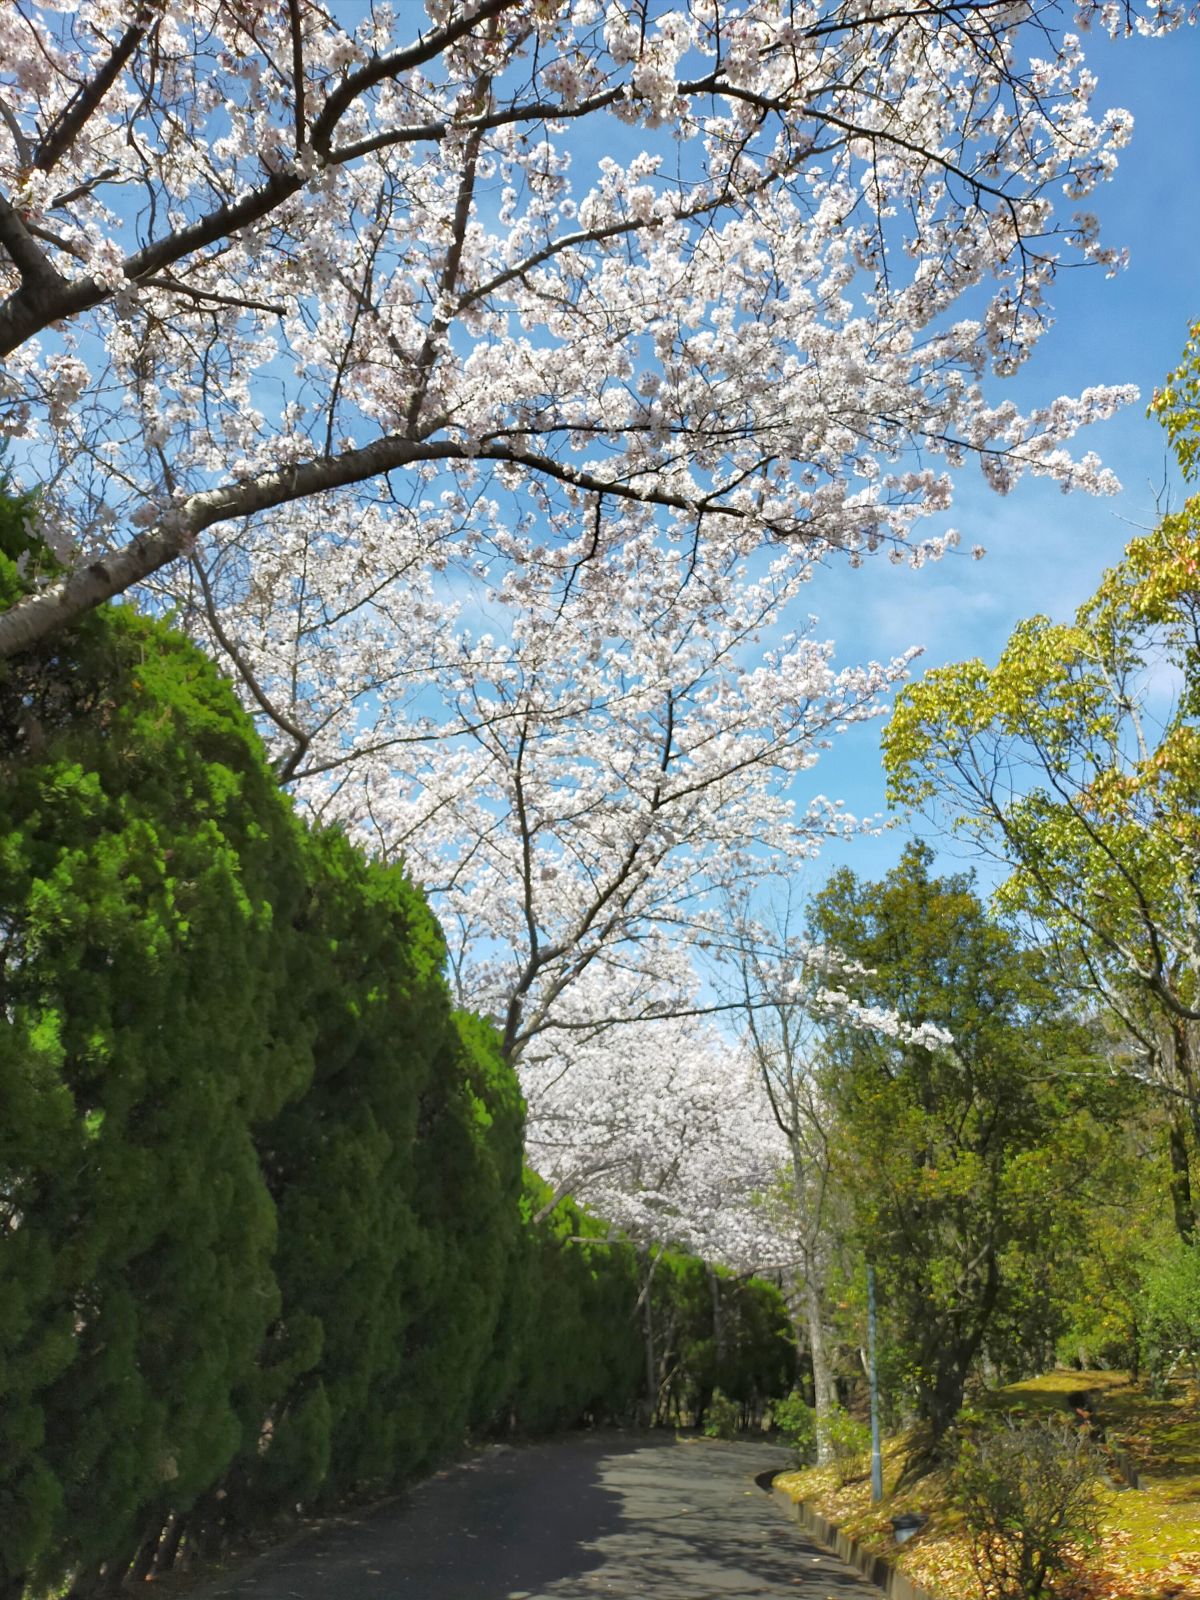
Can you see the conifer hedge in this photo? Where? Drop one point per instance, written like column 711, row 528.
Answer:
column 264, row 1234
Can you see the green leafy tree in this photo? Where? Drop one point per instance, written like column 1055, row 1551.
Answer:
column 1075, row 761
column 717, row 1333
column 1127, row 1228
column 1177, row 406
column 966, row 1162
column 1170, row 1307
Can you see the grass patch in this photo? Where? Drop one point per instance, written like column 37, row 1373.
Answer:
column 1150, row 1539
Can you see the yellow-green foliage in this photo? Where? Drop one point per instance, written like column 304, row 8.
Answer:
column 1149, row 1538
column 1177, row 406
column 1064, row 760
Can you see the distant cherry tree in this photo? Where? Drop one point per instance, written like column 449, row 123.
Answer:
column 583, row 786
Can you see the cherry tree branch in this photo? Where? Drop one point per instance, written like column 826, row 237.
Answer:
column 74, row 116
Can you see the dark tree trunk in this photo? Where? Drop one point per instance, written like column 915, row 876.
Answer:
column 115, row 1574
column 942, row 1400
column 651, row 1362
column 651, row 1401
column 949, row 1362
column 1181, row 1180
column 86, row 1583
column 718, row 1320
column 169, row 1548
column 143, row 1562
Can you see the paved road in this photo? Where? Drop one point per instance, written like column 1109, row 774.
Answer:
column 635, row 1519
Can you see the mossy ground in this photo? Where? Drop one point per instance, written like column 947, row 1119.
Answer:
column 1150, row 1539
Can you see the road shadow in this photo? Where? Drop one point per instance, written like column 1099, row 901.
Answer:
column 639, row 1518
column 513, row 1521
column 705, row 1529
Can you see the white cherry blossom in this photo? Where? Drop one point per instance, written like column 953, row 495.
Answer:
column 731, row 267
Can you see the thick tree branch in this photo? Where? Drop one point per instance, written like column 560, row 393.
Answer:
column 63, row 131
column 39, row 278
column 63, row 602
column 41, row 300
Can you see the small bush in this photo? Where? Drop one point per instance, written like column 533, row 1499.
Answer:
column 1171, row 1314
column 1028, row 1493
column 722, row 1417
column 797, row 1424
column 849, row 1440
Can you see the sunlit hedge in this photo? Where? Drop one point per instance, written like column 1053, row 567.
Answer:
column 264, row 1236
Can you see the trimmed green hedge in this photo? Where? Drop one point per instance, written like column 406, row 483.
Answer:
column 264, row 1235
column 149, row 877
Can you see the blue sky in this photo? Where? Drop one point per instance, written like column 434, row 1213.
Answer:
column 1046, row 551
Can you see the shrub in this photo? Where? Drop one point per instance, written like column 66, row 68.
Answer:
column 150, row 873
column 796, row 1421
column 848, row 1441
column 1028, row 1493
column 722, row 1417
column 1171, row 1313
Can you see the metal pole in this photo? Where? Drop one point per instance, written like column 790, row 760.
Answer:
column 876, row 1455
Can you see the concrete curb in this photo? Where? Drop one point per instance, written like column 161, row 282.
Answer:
column 875, row 1569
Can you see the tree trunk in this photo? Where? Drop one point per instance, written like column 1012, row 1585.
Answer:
column 718, row 1319
column 169, row 1548
column 1185, row 1044
column 1181, row 1180
column 651, row 1363
column 651, row 1401
column 143, row 1562
column 824, row 1388
column 115, row 1574
column 942, row 1400
column 664, row 1386
column 85, row 1583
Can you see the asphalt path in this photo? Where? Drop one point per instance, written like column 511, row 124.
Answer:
column 592, row 1515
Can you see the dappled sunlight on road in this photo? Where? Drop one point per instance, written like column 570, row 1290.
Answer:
column 594, row 1515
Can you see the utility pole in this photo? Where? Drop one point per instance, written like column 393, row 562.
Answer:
column 876, row 1455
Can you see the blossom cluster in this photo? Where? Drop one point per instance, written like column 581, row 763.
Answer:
column 708, row 261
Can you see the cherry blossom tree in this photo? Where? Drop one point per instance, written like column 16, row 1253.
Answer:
column 661, row 1127
column 788, row 989
column 783, row 982
column 731, row 271
column 598, row 775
